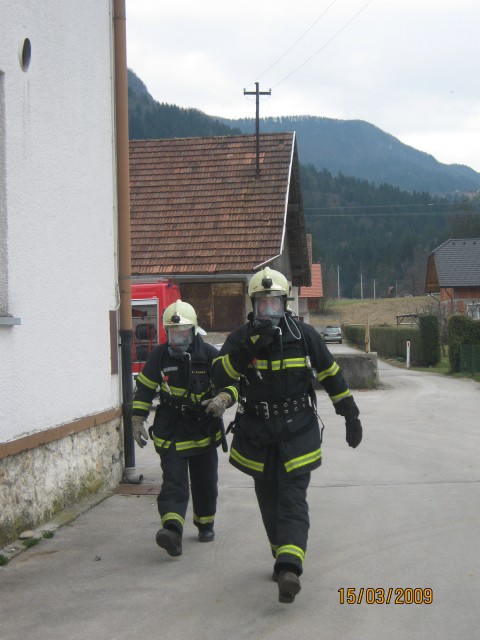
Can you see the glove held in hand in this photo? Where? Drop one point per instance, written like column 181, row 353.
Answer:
column 139, row 433
column 216, row 406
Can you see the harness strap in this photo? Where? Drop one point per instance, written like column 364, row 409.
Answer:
column 288, row 406
column 186, row 410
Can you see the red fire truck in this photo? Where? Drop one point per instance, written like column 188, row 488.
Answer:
column 149, row 301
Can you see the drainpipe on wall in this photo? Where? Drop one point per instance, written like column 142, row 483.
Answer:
column 124, row 251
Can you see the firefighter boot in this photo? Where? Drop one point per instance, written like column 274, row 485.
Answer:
column 288, row 586
column 205, row 534
column 170, row 540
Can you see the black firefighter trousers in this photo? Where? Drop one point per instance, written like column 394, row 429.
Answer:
column 283, row 505
column 173, row 498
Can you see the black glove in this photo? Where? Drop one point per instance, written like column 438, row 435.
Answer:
column 354, row 432
column 258, row 336
column 347, row 408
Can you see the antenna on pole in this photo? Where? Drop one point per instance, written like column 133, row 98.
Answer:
column 257, row 93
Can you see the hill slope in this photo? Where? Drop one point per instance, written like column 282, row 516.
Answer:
column 379, row 312
column 351, row 147
column 357, row 148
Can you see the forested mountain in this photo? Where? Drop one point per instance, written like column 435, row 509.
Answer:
column 149, row 119
column 378, row 238
column 367, row 231
column 358, row 148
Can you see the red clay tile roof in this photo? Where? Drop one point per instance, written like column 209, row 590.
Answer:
column 198, row 207
column 316, row 290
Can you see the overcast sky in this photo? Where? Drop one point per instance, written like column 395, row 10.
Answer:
column 409, row 67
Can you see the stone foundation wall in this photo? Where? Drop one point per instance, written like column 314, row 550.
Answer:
column 38, row 483
column 360, row 370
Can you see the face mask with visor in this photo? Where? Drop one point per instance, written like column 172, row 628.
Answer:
column 269, row 307
column 179, row 338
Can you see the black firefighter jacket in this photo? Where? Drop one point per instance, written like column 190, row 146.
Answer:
column 274, row 398
column 180, row 419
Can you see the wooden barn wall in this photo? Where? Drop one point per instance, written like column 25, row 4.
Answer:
column 220, row 306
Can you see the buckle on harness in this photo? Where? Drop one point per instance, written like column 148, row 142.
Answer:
column 265, row 409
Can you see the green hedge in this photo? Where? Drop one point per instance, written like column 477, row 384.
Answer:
column 388, row 342
column 391, row 342
column 461, row 330
column 431, row 352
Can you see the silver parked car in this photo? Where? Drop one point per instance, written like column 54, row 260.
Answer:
column 332, row 334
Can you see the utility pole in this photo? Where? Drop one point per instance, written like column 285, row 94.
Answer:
column 338, row 281
column 361, row 285
column 374, row 296
column 257, row 93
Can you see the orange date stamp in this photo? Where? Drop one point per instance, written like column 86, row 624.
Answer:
column 389, row 595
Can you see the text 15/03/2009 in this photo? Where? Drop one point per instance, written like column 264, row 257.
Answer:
column 389, row 595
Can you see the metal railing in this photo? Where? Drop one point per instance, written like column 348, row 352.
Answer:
column 469, row 358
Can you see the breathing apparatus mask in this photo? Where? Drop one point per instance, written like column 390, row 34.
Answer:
column 269, row 307
column 179, row 339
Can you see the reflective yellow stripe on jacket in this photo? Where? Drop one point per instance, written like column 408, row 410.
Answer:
column 288, row 363
column 340, row 396
column 178, row 392
column 302, row 461
column 227, row 365
column 330, row 372
column 245, row 462
column 143, row 406
column 161, row 443
column 196, row 444
column 150, row 384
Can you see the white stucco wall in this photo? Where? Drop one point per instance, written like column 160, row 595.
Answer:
column 60, row 214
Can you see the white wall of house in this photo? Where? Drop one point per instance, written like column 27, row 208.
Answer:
column 59, row 192
column 58, row 254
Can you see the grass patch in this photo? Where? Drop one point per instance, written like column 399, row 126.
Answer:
column 31, row 542
column 3, row 560
column 443, row 368
column 48, row 534
column 470, row 376
column 343, row 302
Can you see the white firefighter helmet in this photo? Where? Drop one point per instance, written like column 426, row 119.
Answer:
column 268, row 290
column 268, row 282
column 182, row 314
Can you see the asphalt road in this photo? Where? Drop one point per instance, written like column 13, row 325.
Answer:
column 398, row 514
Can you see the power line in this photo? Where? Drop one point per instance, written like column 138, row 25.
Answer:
column 337, row 33
column 384, row 206
column 297, row 40
column 389, row 215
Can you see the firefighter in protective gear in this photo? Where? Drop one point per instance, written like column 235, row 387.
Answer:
column 188, row 424
column 277, row 439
